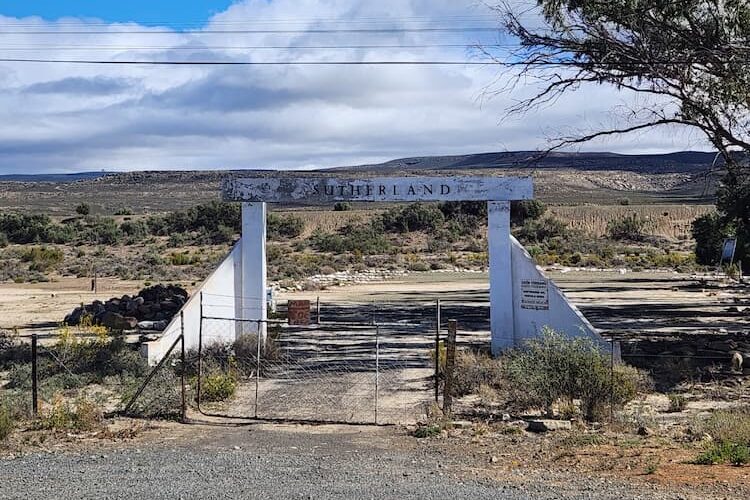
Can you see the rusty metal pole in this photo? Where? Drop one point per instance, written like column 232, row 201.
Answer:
column 257, row 372
column 450, row 360
column 200, row 355
column 34, row 381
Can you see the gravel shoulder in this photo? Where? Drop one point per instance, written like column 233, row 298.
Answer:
column 291, row 461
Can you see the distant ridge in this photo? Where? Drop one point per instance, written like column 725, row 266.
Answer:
column 52, row 177
column 680, row 162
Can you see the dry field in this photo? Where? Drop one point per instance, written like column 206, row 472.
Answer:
column 668, row 221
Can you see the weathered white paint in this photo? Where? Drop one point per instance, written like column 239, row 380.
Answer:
column 560, row 314
column 319, row 190
column 254, row 293
column 219, row 293
column 501, row 284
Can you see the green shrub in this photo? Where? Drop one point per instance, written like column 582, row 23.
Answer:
column 523, row 210
column 630, row 227
column 554, row 367
column 42, row 259
column 724, row 452
column 709, row 232
column 426, row 431
column 4, row 241
column 342, row 206
column 284, row 227
column 677, row 403
column 537, row 231
column 218, row 386
column 7, row 422
column 101, row 231
column 83, row 209
column 182, row 259
column 366, row 239
column 412, row 217
column 24, row 229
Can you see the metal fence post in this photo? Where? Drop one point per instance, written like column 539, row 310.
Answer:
column 612, row 382
column 183, row 407
column 257, row 372
column 34, row 381
column 200, row 355
column 377, row 371
column 437, row 351
column 450, row 360
column 317, row 310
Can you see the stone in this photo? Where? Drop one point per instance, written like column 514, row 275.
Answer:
column 547, row 425
column 116, row 321
column 645, row 431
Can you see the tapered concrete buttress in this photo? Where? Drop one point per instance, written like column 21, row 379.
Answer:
column 254, row 278
column 501, row 277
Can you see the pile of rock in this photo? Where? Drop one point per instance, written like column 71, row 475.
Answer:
column 151, row 309
column 695, row 349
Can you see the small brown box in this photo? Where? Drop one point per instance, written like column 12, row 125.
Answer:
column 298, row 312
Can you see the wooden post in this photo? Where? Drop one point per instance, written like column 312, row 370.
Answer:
column 437, row 351
column 450, row 361
column 34, row 384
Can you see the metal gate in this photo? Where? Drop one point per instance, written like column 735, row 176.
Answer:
column 333, row 372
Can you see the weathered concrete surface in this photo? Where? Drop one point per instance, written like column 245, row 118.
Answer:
column 322, row 190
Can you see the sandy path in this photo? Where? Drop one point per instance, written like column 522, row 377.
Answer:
column 40, row 305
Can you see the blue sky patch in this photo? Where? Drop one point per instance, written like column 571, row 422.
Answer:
column 176, row 13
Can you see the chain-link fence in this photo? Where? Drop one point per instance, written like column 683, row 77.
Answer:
column 335, row 372
column 44, row 372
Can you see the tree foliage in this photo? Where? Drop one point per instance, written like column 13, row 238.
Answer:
column 686, row 61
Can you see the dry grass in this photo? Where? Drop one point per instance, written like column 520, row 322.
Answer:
column 329, row 221
column 669, row 221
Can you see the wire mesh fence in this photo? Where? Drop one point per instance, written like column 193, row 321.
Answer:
column 336, row 372
column 40, row 372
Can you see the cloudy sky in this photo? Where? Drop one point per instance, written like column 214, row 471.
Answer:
column 67, row 117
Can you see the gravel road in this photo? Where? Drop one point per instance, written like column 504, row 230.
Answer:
column 289, row 462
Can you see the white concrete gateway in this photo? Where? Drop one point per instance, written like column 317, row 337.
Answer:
column 522, row 299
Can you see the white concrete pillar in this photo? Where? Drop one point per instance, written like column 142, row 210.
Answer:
column 254, row 265
column 501, row 277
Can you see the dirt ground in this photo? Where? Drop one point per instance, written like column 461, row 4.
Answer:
column 659, row 302
column 469, row 462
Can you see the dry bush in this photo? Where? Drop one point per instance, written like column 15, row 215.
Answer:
column 732, row 426
column 162, row 397
column 82, row 415
column 7, row 422
column 474, row 370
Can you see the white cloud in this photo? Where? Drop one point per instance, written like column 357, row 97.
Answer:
column 78, row 117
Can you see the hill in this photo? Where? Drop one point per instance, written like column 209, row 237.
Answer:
column 564, row 178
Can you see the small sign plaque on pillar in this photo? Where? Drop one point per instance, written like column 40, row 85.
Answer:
column 535, row 295
column 298, row 312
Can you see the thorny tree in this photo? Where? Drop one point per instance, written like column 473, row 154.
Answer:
column 687, row 60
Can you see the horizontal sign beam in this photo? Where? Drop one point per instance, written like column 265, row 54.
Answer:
column 320, row 190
